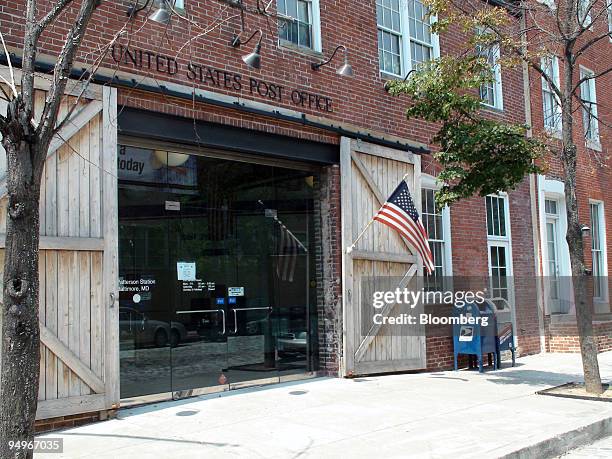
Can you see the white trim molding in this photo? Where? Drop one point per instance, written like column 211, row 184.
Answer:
column 604, row 298
column 431, row 183
column 554, row 190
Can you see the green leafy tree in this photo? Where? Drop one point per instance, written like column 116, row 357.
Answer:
column 479, row 156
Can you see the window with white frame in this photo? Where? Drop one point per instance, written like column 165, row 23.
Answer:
column 498, row 243
column 436, row 225
column 491, row 92
column 584, row 12
column 404, row 36
column 550, row 101
column 551, row 210
column 496, row 216
column 598, row 250
column 549, row 3
column 589, row 106
column 299, row 23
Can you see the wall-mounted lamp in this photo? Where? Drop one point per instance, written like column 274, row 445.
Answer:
column 170, row 159
column 345, row 70
column 253, row 59
column 387, row 87
column 585, row 230
column 161, row 14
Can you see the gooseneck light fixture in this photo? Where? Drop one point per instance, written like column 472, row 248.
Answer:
column 161, row 14
column 344, row 70
column 387, row 83
column 252, row 59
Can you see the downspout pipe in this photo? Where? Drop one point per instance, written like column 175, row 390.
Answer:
column 533, row 191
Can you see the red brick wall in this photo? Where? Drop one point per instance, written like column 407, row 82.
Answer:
column 329, row 258
column 563, row 337
column 75, row 420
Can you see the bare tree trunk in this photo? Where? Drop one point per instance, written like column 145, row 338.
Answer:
column 584, row 315
column 20, row 329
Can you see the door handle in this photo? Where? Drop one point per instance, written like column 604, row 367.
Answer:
column 269, row 309
column 112, row 298
column 223, row 315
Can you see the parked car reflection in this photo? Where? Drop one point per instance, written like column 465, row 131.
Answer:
column 145, row 332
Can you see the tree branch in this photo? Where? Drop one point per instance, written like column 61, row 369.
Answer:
column 51, row 16
column 28, row 63
column 62, row 70
column 10, row 84
column 590, row 77
column 591, row 42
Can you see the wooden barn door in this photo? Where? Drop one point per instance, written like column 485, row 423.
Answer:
column 369, row 174
column 79, row 367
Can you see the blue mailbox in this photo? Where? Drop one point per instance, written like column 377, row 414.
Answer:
column 505, row 329
column 476, row 333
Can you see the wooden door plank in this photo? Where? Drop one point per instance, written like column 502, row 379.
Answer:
column 52, row 366
column 110, row 232
column 78, row 119
column 43, row 82
column 95, row 174
column 361, row 167
column 39, row 103
column 63, row 190
column 387, row 366
column 347, row 260
column 63, row 319
column 74, row 320
column 70, row 405
column 71, row 360
column 380, row 197
column 384, row 312
column 74, row 187
column 97, row 314
column 385, row 152
column 50, row 179
column 87, row 244
column 84, row 313
column 42, row 314
column 83, row 165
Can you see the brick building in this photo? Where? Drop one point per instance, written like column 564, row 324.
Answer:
column 229, row 203
column 591, row 134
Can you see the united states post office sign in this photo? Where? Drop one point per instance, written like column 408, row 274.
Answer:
column 195, row 72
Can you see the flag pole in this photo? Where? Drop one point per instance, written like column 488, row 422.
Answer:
column 261, row 203
column 351, row 247
column 290, row 234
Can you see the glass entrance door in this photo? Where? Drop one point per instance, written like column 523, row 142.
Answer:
column 227, row 248
column 199, row 304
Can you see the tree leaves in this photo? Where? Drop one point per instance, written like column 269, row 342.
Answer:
column 479, row 155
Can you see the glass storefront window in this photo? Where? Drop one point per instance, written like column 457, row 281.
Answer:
column 217, row 271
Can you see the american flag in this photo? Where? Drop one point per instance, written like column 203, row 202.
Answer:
column 287, row 254
column 399, row 213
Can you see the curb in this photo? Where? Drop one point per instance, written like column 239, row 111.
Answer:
column 562, row 443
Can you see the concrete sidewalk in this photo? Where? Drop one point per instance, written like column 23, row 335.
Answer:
column 444, row 414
